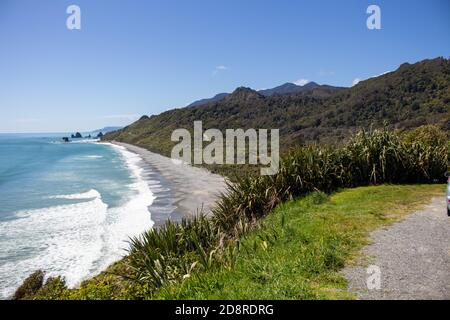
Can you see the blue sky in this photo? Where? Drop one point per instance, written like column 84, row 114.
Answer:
column 143, row 57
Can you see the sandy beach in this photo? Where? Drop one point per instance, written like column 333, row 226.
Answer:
column 191, row 188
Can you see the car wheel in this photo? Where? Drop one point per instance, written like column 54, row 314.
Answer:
column 448, row 212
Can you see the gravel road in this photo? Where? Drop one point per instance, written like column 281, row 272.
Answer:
column 413, row 257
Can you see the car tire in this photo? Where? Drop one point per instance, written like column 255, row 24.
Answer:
column 448, row 212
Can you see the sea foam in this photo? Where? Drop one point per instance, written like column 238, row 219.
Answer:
column 75, row 240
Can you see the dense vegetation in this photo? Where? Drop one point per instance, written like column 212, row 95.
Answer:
column 176, row 252
column 411, row 96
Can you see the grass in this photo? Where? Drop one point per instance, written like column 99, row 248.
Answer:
column 298, row 250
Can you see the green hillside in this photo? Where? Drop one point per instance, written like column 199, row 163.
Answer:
column 413, row 95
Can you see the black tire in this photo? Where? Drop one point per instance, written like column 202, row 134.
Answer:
column 448, row 211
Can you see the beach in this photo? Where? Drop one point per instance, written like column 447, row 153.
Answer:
column 192, row 189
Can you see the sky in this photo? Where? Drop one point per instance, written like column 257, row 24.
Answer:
column 135, row 57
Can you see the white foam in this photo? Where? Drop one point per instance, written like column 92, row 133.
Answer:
column 86, row 195
column 78, row 240
column 62, row 240
column 85, row 141
column 133, row 217
column 85, row 158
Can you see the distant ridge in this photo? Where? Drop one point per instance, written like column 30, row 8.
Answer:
column 287, row 88
column 217, row 97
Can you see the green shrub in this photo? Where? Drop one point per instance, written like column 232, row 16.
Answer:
column 30, row 286
column 173, row 251
column 54, row 289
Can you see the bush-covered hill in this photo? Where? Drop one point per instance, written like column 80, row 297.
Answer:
column 413, row 95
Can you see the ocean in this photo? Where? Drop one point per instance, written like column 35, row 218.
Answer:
column 67, row 208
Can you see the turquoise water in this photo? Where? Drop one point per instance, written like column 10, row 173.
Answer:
column 66, row 208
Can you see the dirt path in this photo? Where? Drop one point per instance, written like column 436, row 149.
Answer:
column 413, row 257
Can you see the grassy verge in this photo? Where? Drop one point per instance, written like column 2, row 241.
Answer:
column 298, row 250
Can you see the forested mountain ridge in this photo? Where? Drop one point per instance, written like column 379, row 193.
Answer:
column 284, row 89
column 412, row 95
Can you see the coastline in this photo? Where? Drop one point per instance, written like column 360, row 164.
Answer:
column 191, row 189
column 81, row 226
column 169, row 191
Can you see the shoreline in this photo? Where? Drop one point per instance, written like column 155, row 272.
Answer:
column 191, row 188
column 178, row 191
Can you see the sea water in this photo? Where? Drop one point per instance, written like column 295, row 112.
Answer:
column 68, row 209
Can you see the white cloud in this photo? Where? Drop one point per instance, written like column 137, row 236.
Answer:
column 301, row 82
column 355, row 82
column 382, row 74
column 219, row 69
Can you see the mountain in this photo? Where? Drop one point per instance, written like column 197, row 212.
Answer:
column 284, row 89
column 412, row 95
column 217, row 97
column 244, row 95
column 288, row 88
